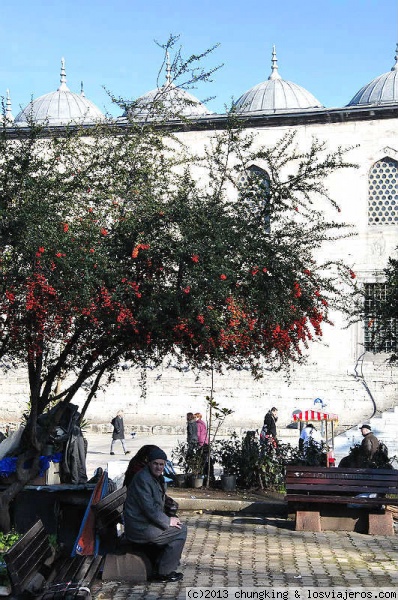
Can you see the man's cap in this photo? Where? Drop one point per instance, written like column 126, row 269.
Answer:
column 156, row 453
column 366, row 426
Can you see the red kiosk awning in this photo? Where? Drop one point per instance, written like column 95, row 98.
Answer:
column 314, row 415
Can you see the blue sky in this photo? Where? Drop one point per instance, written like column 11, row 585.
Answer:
column 331, row 48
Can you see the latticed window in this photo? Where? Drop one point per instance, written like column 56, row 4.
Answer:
column 255, row 184
column 379, row 336
column 383, row 193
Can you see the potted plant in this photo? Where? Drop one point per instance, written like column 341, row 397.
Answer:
column 229, row 456
column 191, row 459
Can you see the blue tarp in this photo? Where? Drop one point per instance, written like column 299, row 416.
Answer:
column 9, row 465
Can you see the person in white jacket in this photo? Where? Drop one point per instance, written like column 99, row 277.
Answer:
column 309, row 435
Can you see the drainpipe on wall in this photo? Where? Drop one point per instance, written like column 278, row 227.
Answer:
column 360, row 377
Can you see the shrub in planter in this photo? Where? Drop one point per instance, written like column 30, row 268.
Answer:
column 191, row 459
column 255, row 465
column 228, row 453
column 272, row 466
column 314, row 454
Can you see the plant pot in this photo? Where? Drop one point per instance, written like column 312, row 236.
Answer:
column 228, row 483
column 195, row 481
column 180, row 480
column 5, row 590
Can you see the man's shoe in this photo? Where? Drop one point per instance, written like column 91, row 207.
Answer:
column 112, row 453
column 171, row 577
column 127, row 452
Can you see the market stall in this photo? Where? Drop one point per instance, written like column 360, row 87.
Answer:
column 329, row 420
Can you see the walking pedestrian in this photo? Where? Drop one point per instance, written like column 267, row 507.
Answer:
column 118, row 432
column 192, row 431
column 203, row 438
column 268, row 431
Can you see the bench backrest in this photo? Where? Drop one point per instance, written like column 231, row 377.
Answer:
column 303, row 479
column 109, row 510
column 26, row 556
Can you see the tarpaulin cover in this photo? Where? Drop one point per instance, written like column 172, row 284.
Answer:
column 87, row 541
column 8, row 465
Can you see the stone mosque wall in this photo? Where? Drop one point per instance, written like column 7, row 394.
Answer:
column 332, row 373
column 168, row 394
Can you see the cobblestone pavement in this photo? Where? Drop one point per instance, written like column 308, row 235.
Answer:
column 244, row 551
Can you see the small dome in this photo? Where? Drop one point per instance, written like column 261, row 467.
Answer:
column 62, row 107
column 171, row 99
column 382, row 90
column 275, row 95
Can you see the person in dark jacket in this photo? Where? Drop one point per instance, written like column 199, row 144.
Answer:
column 270, row 420
column 118, row 432
column 366, row 455
column 145, row 519
column 370, row 444
column 268, row 431
column 192, row 431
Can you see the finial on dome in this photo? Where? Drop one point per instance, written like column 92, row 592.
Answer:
column 168, row 69
column 63, row 85
column 274, row 65
column 82, row 90
column 395, row 67
column 9, row 116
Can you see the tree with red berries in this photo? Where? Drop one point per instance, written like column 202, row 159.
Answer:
column 114, row 249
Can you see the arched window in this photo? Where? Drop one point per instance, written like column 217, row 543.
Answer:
column 254, row 191
column 383, row 192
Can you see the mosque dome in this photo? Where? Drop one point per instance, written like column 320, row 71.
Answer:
column 276, row 95
column 172, row 100
column 62, row 107
column 382, row 90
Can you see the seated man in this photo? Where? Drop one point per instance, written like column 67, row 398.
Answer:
column 369, row 446
column 145, row 520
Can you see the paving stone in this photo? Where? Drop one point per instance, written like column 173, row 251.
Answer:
column 223, row 553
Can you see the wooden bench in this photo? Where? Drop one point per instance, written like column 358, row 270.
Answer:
column 33, row 569
column 109, row 511
column 329, row 497
column 108, row 514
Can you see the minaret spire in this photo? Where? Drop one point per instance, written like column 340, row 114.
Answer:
column 9, row 115
column 63, row 85
column 274, row 65
column 395, row 67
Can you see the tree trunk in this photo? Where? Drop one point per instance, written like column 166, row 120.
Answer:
column 12, row 491
column 5, row 518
